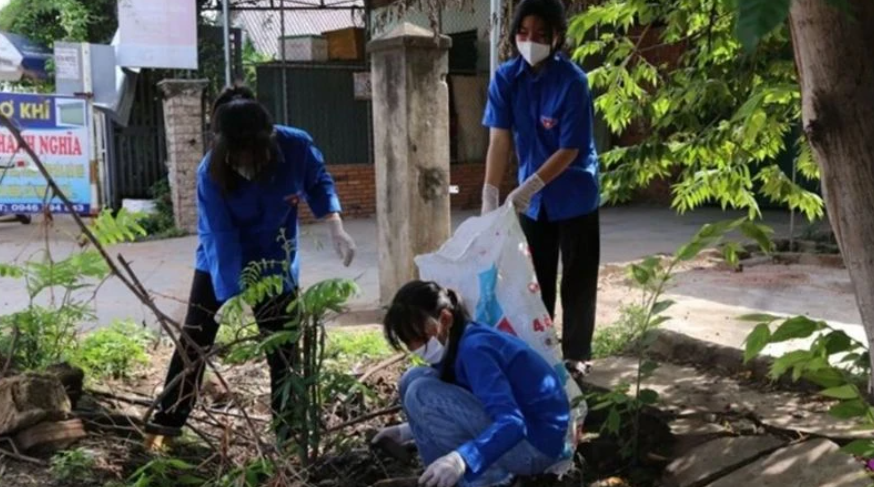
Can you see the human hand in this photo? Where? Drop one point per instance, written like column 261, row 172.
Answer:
column 520, row 197
column 399, row 433
column 446, row 471
column 343, row 243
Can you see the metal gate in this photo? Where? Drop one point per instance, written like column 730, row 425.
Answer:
column 320, row 99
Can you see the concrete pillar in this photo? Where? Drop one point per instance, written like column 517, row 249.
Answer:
column 183, row 125
column 409, row 66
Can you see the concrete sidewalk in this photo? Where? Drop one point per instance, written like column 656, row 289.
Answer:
column 165, row 266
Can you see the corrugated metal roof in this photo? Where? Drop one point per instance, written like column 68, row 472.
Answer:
column 263, row 27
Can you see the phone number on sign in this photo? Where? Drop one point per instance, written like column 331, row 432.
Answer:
column 26, row 208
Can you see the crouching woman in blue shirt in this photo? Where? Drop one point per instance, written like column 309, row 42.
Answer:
column 540, row 103
column 488, row 409
column 248, row 189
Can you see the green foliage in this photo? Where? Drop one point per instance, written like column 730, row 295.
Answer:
column 123, row 227
column 309, row 385
column 717, row 118
column 348, row 346
column 73, row 466
column 653, row 275
column 38, row 337
column 166, row 472
column 614, row 339
column 161, row 223
column 755, row 18
column 251, row 59
column 47, row 21
column 41, row 335
column 834, row 361
column 113, row 352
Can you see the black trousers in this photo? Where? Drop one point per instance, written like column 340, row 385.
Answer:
column 578, row 242
column 201, row 327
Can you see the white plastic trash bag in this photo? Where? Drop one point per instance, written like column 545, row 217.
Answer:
column 488, row 263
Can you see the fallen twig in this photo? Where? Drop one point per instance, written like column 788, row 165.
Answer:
column 382, row 365
column 15, row 454
column 398, row 482
column 260, row 419
column 365, row 418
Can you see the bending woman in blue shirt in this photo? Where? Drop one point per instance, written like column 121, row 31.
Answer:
column 489, row 407
column 540, row 103
column 248, row 189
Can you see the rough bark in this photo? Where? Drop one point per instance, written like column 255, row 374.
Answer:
column 833, row 53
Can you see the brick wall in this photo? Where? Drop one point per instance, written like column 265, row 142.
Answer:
column 356, row 186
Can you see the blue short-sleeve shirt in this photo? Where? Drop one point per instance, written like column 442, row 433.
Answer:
column 546, row 111
column 244, row 226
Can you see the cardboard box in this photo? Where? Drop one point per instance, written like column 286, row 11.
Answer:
column 345, row 44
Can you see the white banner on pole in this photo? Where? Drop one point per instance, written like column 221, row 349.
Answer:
column 157, row 34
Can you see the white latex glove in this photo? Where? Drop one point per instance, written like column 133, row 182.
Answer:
column 520, row 197
column 399, row 433
column 446, row 471
column 343, row 243
column 491, row 199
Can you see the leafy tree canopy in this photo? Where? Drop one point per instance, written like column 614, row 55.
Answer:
column 719, row 117
column 47, row 21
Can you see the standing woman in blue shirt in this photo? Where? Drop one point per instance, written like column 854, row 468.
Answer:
column 541, row 101
column 248, row 189
column 487, row 409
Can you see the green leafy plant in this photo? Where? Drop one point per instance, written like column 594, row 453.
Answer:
column 73, row 466
column 113, row 352
column 614, row 339
column 43, row 334
column 161, row 223
column 652, row 276
column 714, row 120
column 303, row 393
column 166, row 472
column 834, row 361
column 48, row 21
column 345, row 346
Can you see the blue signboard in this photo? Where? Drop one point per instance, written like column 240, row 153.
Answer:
column 58, row 129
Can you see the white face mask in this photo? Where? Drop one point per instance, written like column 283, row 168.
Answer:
column 431, row 352
column 533, row 52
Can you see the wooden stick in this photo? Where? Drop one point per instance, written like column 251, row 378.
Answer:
column 382, row 365
column 366, row 417
column 18, row 456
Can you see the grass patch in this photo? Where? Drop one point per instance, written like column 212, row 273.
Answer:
column 355, row 345
column 613, row 339
column 114, row 352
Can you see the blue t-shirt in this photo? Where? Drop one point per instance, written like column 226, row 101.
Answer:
column 547, row 111
column 519, row 390
column 244, row 226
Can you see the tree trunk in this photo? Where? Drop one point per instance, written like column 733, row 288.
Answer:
column 833, row 53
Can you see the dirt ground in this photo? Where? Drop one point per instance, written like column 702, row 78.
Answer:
column 710, row 296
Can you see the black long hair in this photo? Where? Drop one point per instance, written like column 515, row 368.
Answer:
column 240, row 124
column 416, row 303
column 552, row 12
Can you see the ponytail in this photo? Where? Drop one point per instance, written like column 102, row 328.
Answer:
column 460, row 320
